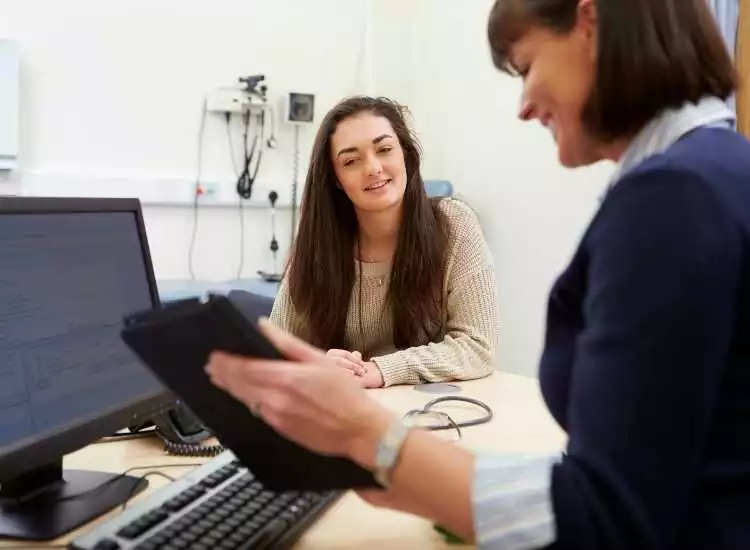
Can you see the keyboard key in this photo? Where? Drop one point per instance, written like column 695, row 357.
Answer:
column 156, row 516
column 214, row 517
column 211, row 481
column 288, row 515
column 107, row 544
column 176, row 504
column 237, row 538
column 265, row 515
column 129, row 532
column 199, row 529
column 246, row 530
column 210, row 540
column 265, row 538
column 230, row 507
column 194, row 516
column 213, row 502
column 256, row 524
column 159, row 538
column 189, row 537
column 233, row 522
column 224, row 530
column 170, row 532
column 182, row 524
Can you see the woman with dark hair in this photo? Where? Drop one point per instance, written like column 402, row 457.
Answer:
column 398, row 287
column 646, row 362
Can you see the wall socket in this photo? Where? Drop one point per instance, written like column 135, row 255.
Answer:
column 209, row 190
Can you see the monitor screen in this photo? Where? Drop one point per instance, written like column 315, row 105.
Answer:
column 66, row 280
column 70, row 271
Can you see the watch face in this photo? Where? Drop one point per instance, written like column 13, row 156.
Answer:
column 301, row 107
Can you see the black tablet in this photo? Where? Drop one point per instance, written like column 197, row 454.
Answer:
column 175, row 341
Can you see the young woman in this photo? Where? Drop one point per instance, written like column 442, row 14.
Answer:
column 399, row 288
column 647, row 354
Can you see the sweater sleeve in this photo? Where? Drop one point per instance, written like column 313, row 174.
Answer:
column 665, row 258
column 467, row 350
column 283, row 314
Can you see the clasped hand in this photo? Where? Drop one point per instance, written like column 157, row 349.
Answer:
column 368, row 373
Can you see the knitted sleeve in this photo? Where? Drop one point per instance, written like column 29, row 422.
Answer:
column 283, row 314
column 467, row 350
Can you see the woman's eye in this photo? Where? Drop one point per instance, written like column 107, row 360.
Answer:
column 349, row 162
column 386, row 150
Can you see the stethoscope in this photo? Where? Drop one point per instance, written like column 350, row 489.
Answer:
column 450, row 423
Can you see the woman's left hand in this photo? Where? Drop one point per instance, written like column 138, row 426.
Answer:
column 321, row 408
column 368, row 372
column 350, row 360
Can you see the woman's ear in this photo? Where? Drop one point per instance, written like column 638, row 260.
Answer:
column 586, row 26
column 587, row 17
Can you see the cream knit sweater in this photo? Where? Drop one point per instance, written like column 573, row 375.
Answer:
column 468, row 345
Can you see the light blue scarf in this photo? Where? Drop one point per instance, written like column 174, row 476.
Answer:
column 668, row 127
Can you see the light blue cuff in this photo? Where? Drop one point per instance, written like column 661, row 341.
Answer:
column 512, row 501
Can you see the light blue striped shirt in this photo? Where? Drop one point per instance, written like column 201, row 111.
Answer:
column 512, row 501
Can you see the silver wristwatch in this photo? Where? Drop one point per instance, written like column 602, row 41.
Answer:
column 388, row 451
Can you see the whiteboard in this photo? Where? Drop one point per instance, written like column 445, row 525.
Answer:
column 9, row 104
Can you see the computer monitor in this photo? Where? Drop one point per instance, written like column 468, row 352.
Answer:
column 70, row 269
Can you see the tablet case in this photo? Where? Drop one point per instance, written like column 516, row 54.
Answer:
column 175, row 341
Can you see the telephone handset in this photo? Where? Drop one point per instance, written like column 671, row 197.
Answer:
column 183, row 433
column 181, row 430
column 180, row 425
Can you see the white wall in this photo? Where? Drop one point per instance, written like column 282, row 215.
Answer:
column 112, row 94
column 111, row 104
column 532, row 210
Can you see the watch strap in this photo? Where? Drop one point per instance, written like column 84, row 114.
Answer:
column 388, row 451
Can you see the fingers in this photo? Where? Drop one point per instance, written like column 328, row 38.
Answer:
column 289, row 345
column 243, row 375
column 224, row 376
column 356, row 368
column 375, row 497
column 337, row 353
column 349, row 360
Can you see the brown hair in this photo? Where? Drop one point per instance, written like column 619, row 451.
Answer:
column 652, row 55
column 321, row 271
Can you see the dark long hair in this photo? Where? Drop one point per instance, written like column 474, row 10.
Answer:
column 652, row 55
column 321, row 271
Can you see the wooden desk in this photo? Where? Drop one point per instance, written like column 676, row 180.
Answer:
column 521, row 424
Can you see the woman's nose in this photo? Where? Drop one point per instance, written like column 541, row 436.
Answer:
column 526, row 110
column 373, row 166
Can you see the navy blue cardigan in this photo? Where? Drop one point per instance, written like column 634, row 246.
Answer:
column 647, row 358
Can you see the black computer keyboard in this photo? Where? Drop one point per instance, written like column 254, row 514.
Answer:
column 217, row 506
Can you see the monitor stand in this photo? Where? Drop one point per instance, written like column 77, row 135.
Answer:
column 49, row 501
